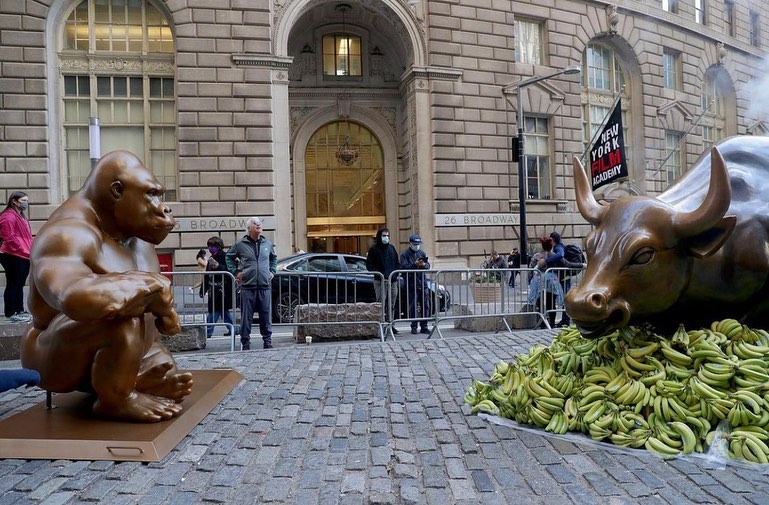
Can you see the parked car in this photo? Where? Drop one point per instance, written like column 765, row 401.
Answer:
column 335, row 285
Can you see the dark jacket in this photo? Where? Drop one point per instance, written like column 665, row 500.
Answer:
column 408, row 261
column 218, row 287
column 382, row 258
column 514, row 260
column 555, row 259
column 256, row 261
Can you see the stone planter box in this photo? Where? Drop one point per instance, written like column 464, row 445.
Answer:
column 354, row 316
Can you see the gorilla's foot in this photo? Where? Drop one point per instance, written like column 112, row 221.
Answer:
column 138, row 407
column 159, row 381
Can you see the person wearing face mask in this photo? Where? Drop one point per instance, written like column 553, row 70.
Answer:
column 383, row 258
column 15, row 244
column 218, row 287
column 414, row 258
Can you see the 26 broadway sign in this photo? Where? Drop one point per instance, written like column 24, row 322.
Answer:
column 607, row 157
column 500, row 219
column 216, row 224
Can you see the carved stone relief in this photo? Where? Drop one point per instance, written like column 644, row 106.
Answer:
column 296, row 114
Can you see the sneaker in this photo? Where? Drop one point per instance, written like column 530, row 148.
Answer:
column 395, row 330
column 246, row 346
column 414, row 331
column 20, row 317
column 425, row 331
column 268, row 346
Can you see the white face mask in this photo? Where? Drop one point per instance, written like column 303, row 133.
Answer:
column 415, row 247
column 385, row 240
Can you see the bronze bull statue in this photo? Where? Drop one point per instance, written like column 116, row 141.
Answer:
column 697, row 253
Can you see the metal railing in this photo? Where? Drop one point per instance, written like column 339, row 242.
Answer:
column 196, row 292
column 327, row 298
column 422, row 298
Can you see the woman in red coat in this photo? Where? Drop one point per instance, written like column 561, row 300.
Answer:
column 16, row 238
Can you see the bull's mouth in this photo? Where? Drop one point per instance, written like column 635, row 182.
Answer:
column 596, row 329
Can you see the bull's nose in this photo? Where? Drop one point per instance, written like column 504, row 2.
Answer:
column 597, row 300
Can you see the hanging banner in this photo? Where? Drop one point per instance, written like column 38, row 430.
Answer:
column 607, row 157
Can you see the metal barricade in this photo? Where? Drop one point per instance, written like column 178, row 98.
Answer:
column 311, row 297
column 196, row 292
column 420, row 296
column 484, row 293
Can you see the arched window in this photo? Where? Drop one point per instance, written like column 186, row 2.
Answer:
column 714, row 120
column 344, row 171
column 602, row 82
column 117, row 64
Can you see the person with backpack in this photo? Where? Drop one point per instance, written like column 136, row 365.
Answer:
column 558, row 259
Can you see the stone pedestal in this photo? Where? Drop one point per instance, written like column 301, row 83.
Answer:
column 191, row 338
column 10, row 339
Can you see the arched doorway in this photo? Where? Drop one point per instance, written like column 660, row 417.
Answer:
column 344, row 188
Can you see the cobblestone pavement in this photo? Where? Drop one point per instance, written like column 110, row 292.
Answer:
column 376, row 424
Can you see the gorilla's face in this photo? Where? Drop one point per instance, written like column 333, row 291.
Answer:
column 139, row 209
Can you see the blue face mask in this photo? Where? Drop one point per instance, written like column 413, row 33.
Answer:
column 415, row 247
column 385, row 240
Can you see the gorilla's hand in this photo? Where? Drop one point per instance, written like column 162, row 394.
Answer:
column 168, row 325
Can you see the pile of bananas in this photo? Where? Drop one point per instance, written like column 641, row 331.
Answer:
column 638, row 389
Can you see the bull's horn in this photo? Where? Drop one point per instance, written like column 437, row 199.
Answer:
column 715, row 205
column 590, row 209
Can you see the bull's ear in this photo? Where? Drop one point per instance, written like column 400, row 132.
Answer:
column 710, row 241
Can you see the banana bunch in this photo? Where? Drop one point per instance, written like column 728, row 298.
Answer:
column 638, row 389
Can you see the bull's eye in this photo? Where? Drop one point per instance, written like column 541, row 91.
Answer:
column 642, row 256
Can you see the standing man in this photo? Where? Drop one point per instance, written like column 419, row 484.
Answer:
column 383, row 258
column 414, row 258
column 253, row 262
column 514, row 261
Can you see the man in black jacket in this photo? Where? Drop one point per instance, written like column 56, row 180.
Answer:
column 383, row 258
column 414, row 258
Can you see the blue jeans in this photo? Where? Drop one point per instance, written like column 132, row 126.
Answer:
column 213, row 317
column 257, row 300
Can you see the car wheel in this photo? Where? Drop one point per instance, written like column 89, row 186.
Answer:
column 284, row 309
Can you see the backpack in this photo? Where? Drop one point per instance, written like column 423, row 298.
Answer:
column 574, row 254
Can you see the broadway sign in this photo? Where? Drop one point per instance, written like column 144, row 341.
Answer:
column 607, row 157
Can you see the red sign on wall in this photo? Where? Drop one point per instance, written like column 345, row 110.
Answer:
column 166, row 263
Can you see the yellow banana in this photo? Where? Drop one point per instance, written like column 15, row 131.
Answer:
column 655, row 445
column 688, row 437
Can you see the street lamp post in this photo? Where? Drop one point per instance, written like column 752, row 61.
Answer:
column 518, row 87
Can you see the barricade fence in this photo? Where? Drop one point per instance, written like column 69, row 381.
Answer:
column 206, row 299
column 353, row 303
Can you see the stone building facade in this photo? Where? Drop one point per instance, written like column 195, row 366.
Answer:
column 333, row 118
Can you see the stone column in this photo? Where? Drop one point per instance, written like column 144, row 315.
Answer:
column 281, row 163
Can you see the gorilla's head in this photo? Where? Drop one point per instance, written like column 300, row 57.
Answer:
column 128, row 199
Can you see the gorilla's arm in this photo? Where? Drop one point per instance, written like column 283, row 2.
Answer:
column 72, row 273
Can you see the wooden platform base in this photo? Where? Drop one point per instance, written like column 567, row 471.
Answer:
column 69, row 430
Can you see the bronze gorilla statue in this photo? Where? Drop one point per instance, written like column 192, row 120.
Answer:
column 697, row 253
column 98, row 300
